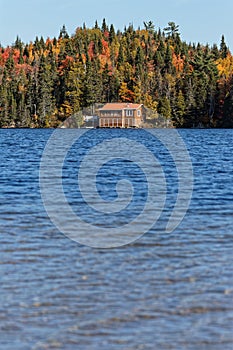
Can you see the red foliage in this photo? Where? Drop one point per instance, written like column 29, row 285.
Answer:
column 49, row 41
column 106, row 49
column 5, row 55
column 91, row 49
column 23, row 67
column 16, row 55
column 106, row 34
column 65, row 63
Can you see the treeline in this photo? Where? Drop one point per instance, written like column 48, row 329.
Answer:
column 45, row 81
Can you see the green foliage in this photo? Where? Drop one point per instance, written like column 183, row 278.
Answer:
column 228, row 110
column 179, row 110
column 223, row 48
column 164, row 107
column 172, row 30
column 63, row 33
column 149, row 26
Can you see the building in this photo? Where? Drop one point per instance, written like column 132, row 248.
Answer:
column 121, row 115
column 90, row 121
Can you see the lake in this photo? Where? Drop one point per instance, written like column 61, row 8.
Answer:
column 163, row 290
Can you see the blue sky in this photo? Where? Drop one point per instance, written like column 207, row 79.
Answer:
column 199, row 20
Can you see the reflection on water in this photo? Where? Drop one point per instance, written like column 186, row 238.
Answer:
column 165, row 291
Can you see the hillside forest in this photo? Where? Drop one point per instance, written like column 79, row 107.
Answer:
column 44, row 82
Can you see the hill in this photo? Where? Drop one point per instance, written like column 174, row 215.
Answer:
column 44, row 82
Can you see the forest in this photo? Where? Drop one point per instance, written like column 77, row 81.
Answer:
column 44, row 82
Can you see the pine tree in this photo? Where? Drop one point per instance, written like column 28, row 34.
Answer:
column 172, row 30
column 223, row 48
column 74, row 85
column 104, row 26
column 168, row 60
column 63, row 33
column 111, row 33
column 46, row 102
column 139, row 59
column 179, row 110
column 164, row 107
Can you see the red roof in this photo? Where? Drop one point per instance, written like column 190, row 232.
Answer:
column 119, row 106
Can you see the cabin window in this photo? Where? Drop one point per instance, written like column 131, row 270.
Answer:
column 139, row 113
column 129, row 112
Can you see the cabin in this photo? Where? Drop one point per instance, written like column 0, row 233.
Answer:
column 121, row 115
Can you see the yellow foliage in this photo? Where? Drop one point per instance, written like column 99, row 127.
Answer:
column 65, row 110
column 150, row 103
column 225, row 66
column 126, row 94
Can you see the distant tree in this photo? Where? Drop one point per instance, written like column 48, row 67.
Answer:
column 96, row 25
column 111, row 33
column 63, row 33
column 18, row 43
column 149, row 26
column 215, row 52
column 223, row 48
column 73, row 83
column 172, row 30
column 227, row 121
column 125, row 93
column 168, row 60
column 139, row 59
column 164, row 107
column 5, row 117
column 46, row 102
column 104, row 26
column 179, row 110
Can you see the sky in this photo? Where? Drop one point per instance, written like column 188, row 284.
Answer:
column 201, row 21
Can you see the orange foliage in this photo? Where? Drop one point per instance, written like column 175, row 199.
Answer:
column 26, row 68
column 84, row 59
column 106, row 49
column 65, row 63
column 5, row 55
column 49, row 41
column 16, row 55
column 150, row 66
column 91, row 50
column 177, row 62
column 126, row 94
column 106, row 34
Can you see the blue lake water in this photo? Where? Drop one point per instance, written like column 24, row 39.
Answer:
column 162, row 291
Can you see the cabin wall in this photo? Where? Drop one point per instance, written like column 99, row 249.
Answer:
column 119, row 119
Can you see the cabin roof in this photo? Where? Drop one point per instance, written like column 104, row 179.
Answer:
column 120, row 106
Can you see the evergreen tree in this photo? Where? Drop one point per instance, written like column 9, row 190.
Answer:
column 164, row 107
column 223, row 48
column 139, row 62
column 227, row 121
column 179, row 110
column 112, row 33
column 45, row 93
column 149, row 26
column 63, row 33
column 104, row 26
column 168, row 60
column 172, row 30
